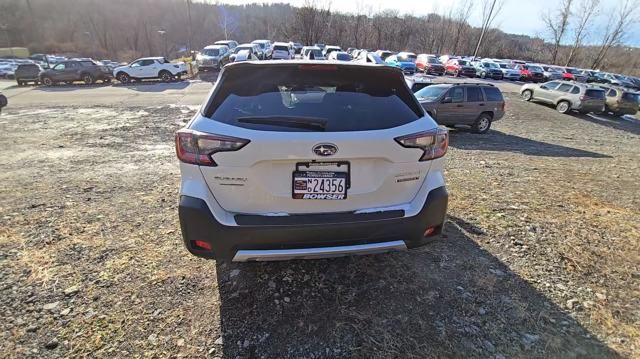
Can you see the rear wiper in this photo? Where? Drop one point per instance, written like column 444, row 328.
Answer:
column 307, row 123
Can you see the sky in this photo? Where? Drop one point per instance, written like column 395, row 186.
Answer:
column 517, row 16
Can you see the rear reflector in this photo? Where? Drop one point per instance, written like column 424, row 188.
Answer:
column 201, row 245
column 429, row 231
column 197, row 147
column 433, row 143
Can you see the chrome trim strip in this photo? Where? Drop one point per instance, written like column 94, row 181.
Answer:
column 246, row 255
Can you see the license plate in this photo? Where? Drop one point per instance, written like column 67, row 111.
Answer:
column 325, row 185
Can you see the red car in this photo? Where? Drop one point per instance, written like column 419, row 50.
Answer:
column 458, row 67
column 429, row 64
column 530, row 72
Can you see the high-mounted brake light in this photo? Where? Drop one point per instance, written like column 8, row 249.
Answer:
column 433, row 143
column 197, row 147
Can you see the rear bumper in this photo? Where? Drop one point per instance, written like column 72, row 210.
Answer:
column 339, row 236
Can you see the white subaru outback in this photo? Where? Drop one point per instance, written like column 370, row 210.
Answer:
column 305, row 159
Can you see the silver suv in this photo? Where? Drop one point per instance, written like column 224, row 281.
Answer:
column 566, row 96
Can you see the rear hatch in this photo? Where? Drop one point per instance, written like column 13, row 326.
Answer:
column 628, row 100
column 593, row 97
column 280, row 52
column 302, row 121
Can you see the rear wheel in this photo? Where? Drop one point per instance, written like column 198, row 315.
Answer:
column 527, row 95
column 123, row 77
column 563, row 106
column 482, row 124
column 47, row 81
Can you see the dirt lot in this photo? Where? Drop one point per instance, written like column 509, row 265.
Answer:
column 540, row 257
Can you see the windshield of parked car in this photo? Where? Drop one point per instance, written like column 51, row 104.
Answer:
column 432, row 60
column 211, row 52
column 463, row 62
column 491, row 65
column 331, row 98
column 375, row 59
column 572, row 71
column 431, row 92
column 628, row 96
column 317, row 53
column 261, row 44
column 343, row 56
column 240, row 48
column 534, row 68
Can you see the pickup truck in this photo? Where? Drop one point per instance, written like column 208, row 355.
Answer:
column 150, row 68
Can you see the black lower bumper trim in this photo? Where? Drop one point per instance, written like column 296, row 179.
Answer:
column 198, row 224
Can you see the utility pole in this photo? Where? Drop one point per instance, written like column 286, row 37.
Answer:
column 485, row 25
column 190, row 28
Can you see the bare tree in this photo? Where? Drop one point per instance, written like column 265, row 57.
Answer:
column 460, row 23
column 616, row 29
column 586, row 10
column 557, row 21
column 490, row 10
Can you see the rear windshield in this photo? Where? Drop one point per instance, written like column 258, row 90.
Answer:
column 281, row 48
column 343, row 56
column 628, row 96
column 492, row 94
column 312, row 98
column 432, row 60
column 462, row 62
column 211, row 52
column 594, row 93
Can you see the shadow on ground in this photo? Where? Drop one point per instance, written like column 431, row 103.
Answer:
column 70, row 87
column 449, row 299
column 502, row 142
column 615, row 122
column 154, row 86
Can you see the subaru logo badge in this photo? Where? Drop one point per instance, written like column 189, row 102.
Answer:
column 325, row 149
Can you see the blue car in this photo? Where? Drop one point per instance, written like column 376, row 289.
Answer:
column 405, row 64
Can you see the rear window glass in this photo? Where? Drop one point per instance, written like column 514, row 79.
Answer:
column 329, row 98
column 595, row 94
column 493, row 94
column 629, row 96
column 474, row 94
column 575, row 90
column 281, row 48
column 343, row 57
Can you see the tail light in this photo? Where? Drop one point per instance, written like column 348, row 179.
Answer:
column 503, row 106
column 433, row 143
column 197, row 148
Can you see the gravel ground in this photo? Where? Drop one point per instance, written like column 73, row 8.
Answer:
column 539, row 258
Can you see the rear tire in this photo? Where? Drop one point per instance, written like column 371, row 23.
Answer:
column 47, row 81
column 527, row 95
column 123, row 77
column 482, row 124
column 563, row 107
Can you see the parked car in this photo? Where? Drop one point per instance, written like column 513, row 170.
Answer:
column 429, row 64
column 213, row 57
column 566, row 96
column 369, row 57
column 362, row 161
column 254, row 49
column 244, row 55
column 3, row 101
column 530, row 72
column 486, row 69
column 407, row 56
column 150, row 68
column 571, row 74
column 339, row 56
column 407, row 66
column 70, row 71
column 590, row 74
column 297, row 47
column 551, row 73
column 417, row 83
column 459, row 67
column 231, row 44
column 509, row 72
column 474, row 105
column 26, row 73
column 620, row 101
column 8, row 69
column 265, row 48
column 312, row 53
column 282, row 51
column 384, row 54
column 329, row 49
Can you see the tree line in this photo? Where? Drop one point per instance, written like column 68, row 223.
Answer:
column 126, row 29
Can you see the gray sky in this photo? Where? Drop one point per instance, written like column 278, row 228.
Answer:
column 517, row 16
